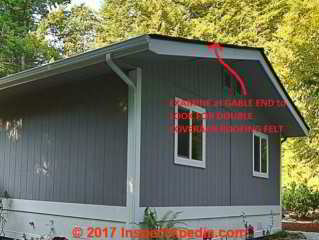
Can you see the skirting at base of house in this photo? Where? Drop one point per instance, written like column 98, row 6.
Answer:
column 206, row 212
column 26, row 219
column 261, row 224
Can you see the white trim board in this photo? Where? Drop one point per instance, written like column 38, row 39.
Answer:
column 178, row 48
column 198, row 212
column 138, row 116
column 18, row 235
column 74, row 210
column 134, row 144
column 130, row 151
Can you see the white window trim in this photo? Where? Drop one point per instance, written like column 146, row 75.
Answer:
column 255, row 173
column 188, row 161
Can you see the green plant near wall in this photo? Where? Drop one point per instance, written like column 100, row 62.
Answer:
column 168, row 222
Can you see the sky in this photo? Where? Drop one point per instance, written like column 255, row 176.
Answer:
column 95, row 4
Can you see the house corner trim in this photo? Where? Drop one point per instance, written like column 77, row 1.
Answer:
column 134, row 145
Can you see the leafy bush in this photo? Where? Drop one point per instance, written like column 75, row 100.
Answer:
column 168, row 221
column 281, row 234
column 285, row 235
column 315, row 200
column 300, row 199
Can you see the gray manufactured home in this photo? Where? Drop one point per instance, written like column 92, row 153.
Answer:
column 92, row 140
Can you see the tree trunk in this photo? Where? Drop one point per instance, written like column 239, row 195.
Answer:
column 22, row 62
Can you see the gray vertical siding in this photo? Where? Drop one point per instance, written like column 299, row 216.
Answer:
column 79, row 131
column 249, row 190
column 227, row 178
column 162, row 182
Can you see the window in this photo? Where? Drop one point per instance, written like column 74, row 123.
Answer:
column 190, row 135
column 260, row 155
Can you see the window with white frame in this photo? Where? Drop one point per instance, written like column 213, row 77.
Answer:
column 190, row 137
column 260, row 155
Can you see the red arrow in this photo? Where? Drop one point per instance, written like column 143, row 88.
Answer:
column 213, row 48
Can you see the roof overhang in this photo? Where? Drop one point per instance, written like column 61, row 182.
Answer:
column 118, row 50
column 157, row 48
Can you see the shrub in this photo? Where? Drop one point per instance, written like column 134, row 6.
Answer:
column 300, row 199
column 168, row 221
column 285, row 235
column 315, row 200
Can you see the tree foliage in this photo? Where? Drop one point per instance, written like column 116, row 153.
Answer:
column 71, row 31
column 20, row 47
column 295, row 56
column 241, row 22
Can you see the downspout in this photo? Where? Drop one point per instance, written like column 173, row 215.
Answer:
column 119, row 71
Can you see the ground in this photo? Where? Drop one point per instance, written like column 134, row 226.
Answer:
column 311, row 236
column 294, row 236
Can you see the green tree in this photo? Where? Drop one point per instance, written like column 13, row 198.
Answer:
column 241, row 22
column 295, row 56
column 20, row 47
column 71, row 31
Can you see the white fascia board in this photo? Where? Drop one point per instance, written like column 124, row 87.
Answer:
column 118, row 50
column 209, row 212
column 282, row 93
column 184, row 49
column 75, row 210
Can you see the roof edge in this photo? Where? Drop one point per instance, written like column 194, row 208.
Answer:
column 118, row 50
column 198, row 41
column 284, row 89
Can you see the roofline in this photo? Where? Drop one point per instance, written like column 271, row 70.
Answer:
column 197, row 41
column 284, row 89
column 88, row 58
column 118, row 50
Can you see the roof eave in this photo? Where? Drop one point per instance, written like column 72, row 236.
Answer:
column 117, row 50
